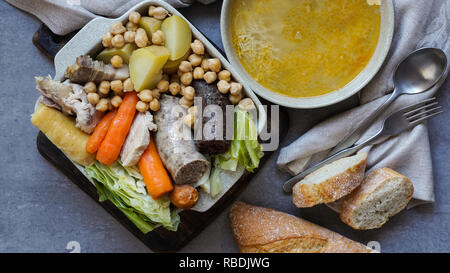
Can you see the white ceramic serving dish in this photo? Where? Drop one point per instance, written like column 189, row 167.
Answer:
column 363, row 78
column 88, row 41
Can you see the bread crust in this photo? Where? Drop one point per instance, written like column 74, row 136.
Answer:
column 332, row 189
column 263, row 230
column 373, row 181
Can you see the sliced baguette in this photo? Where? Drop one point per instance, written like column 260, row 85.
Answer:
column 261, row 230
column 382, row 194
column 331, row 182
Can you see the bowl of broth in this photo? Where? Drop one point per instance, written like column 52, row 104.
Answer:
column 307, row 53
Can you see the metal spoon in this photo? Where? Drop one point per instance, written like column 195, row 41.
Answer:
column 417, row 73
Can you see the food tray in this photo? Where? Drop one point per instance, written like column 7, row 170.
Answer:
column 88, row 40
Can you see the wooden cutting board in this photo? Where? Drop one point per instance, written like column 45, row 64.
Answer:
column 160, row 239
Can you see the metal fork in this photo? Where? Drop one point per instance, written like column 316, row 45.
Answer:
column 393, row 125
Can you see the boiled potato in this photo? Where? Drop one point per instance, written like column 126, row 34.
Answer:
column 172, row 66
column 178, row 36
column 146, row 66
column 124, row 52
column 150, row 25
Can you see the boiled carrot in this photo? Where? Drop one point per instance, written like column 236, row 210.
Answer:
column 120, row 126
column 155, row 175
column 99, row 133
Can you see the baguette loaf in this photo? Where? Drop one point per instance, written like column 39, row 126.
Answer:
column 261, row 230
column 382, row 194
column 331, row 182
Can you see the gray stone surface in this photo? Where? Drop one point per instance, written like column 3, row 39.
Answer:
column 41, row 210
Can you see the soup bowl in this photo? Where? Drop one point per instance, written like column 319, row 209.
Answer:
column 335, row 96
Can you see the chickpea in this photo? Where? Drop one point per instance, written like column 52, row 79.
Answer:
column 116, row 101
column 210, row 77
column 223, row 86
column 156, row 94
column 198, row 47
column 106, row 39
column 214, row 65
column 131, row 26
column 246, row 104
column 134, row 17
column 90, row 87
column 118, row 41
column 205, row 65
column 235, row 99
column 155, row 105
column 198, row 73
column 151, row 10
column 128, row 85
column 145, row 95
column 195, row 60
column 185, row 66
column 236, row 88
column 189, row 120
column 141, row 106
column 174, row 88
column 141, row 38
column 93, row 98
column 192, row 111
column 183, row 87
column 117, row 61
column 189, row 93
column 159, row 13
column 102, row 105
column 224, row 75
column 118, row 28
column 179, row 73
column 186, row 78
column 104, row 87
column 129, row 36
column 158, row 37
column 186, row 103
column 117, row 87
column 163, row 86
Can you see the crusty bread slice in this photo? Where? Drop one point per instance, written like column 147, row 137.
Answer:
column 330, row 182
column 382, row 194
column 261, row 230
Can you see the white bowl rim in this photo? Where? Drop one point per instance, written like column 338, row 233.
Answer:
column 353, row 87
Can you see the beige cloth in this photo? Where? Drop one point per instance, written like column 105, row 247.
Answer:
column 65, row 16
column 419, row 23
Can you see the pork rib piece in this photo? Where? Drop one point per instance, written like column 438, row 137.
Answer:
column 85, row 69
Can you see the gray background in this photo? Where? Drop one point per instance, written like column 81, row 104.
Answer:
column 41, row 210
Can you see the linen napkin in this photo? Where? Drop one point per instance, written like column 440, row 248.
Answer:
column 65, row 16
column 419, row 23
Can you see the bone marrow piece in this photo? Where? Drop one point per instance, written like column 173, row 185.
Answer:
column 85, row 69
column 213, row 142
column 175, row 145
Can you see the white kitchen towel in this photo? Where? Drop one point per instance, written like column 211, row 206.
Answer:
column 65, row 16
column 419, row 23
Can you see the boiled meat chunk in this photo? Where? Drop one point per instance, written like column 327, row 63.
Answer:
column 138, row 139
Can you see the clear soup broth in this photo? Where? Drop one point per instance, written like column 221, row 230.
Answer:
column 304, row 48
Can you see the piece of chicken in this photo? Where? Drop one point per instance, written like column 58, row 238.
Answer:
column 138, row 139
column 70, row 99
